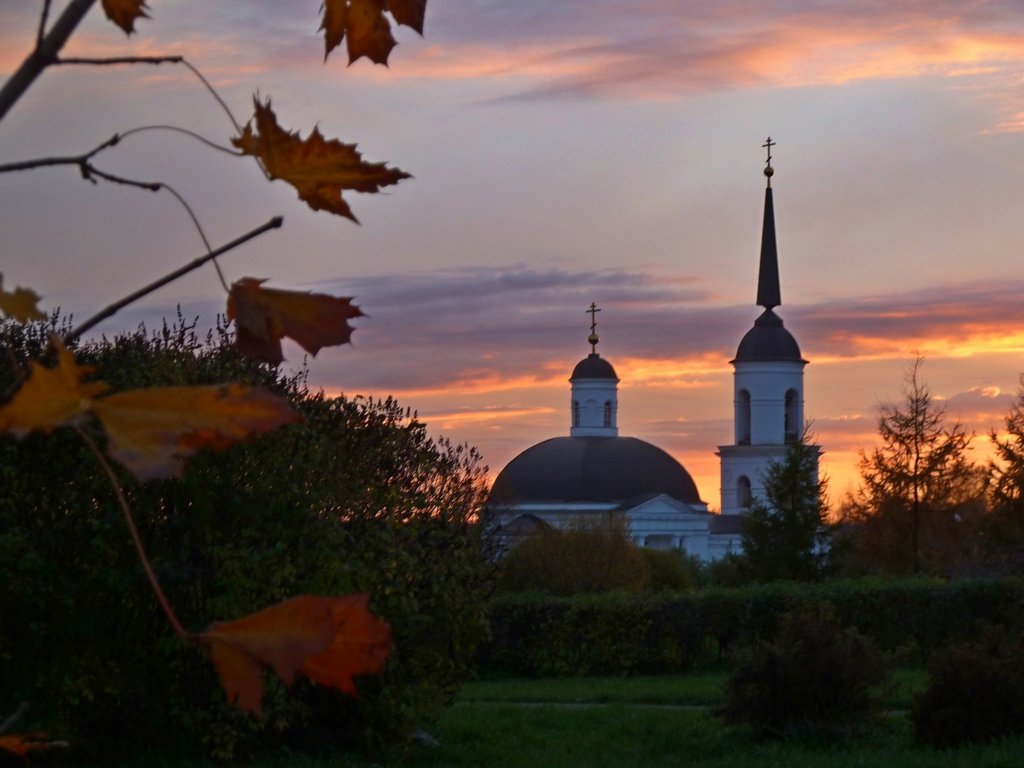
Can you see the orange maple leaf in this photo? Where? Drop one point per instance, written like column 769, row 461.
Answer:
column 20, row 744
column 152, row 431
column 318, row 168
column 20, row 304
column 264, row 315
column 327, row 639
column 361, row 23
column 125, row 12
column 50, row 397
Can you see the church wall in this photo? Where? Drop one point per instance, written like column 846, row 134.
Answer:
column 767, row 383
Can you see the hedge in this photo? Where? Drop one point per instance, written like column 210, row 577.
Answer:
column 623, row 634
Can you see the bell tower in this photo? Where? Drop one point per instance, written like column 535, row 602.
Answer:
column 768, row 382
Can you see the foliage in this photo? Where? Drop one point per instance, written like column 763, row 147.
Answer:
column 356, row 498
column 920, row 493
column 974, row 692
column 539, row 635
column 590, row 555
column 813, row 677
column 668, row 570
column 1003, row 531
column 786, row 534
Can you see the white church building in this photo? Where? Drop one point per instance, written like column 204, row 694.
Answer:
column 596, row 471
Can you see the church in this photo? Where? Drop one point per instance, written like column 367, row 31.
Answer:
column 596, row 471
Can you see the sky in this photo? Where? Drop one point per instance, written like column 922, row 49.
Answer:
column 564, row 153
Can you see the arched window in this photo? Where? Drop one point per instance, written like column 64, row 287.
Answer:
column 607, row 413
column 792, row 426
column 743, row 418
column 743, row 495
column 575, row 413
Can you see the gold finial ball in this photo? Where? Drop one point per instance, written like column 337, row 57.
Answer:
column 592, row 339
column 769, row 171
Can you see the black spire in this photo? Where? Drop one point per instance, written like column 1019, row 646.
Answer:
column 768, row 293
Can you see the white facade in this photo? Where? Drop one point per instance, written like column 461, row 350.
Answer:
column 595, row 408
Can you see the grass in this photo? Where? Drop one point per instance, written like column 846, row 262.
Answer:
column 654, row 722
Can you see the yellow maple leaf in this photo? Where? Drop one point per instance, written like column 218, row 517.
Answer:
column 50, row 397
column 125, row 12
column 20, row 304
column 263, row 316
column 327, row 639
column 318, row 168
column 152, row 431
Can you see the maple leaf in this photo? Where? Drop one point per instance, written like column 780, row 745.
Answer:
column 318, row 168
column 125, row 12
column 20, row 744
column 50, row 397
column 327, row 639
column 361, row 23
column 264, row 315
column 20, row 304
column 152, row 431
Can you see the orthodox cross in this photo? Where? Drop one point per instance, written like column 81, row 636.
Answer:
column 593, row 339
column 768, row 170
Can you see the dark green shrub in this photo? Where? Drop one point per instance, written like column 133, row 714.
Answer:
column 813, row 678
column 668, row 571
column 589, row 556
column 975, row 692
column 357, row 498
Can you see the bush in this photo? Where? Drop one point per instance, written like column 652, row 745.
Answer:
column 668, row 571
column 975, row 692
column 356, row 499
column 591, row 555
column 813, row 678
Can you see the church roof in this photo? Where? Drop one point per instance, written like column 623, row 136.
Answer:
column 593, row 366
column 592, row 469
column 768, row 340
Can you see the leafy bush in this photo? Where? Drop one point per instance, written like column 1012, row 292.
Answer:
column 356, row 499
column 814, row 677
column 591, row 555
column 975, row 692
column 668, row 571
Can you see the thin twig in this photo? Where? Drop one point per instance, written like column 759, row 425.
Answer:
column 130, row 521
column 273, row 223
column 42, row 30
column 112, row 60
column 213, row 93
column 15, row 717
column 187, row 132
column 44, row 54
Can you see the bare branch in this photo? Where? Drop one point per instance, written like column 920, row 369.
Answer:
column 112, row 60
column 15, row 716
column 273, row 223
column 44, row 55
column 43, row 16
column 187, row 132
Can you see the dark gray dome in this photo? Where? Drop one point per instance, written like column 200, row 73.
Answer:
column 593, row 366
column 613, row 469
column 768, row 340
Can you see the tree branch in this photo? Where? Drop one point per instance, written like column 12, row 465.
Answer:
column 44, row 55
column 273, row 223
column 112, row 60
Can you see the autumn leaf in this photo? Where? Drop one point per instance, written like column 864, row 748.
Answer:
column 264, row 315
column 152, row 431
column 317, row 167
column 20, row 304
column 125, row 12
column 20, row 744
column 50, row 397
column 327, row 639
column 362, row 24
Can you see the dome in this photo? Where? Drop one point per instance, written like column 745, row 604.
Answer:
column 593, row 366
column 768, row 340
column 601, row 469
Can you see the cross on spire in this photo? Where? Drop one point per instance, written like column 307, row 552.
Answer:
column 768, row 170
column 593, row 338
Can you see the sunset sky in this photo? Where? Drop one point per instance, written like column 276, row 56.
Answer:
column 563, row 153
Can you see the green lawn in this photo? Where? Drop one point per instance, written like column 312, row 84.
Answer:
column 647, row 722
